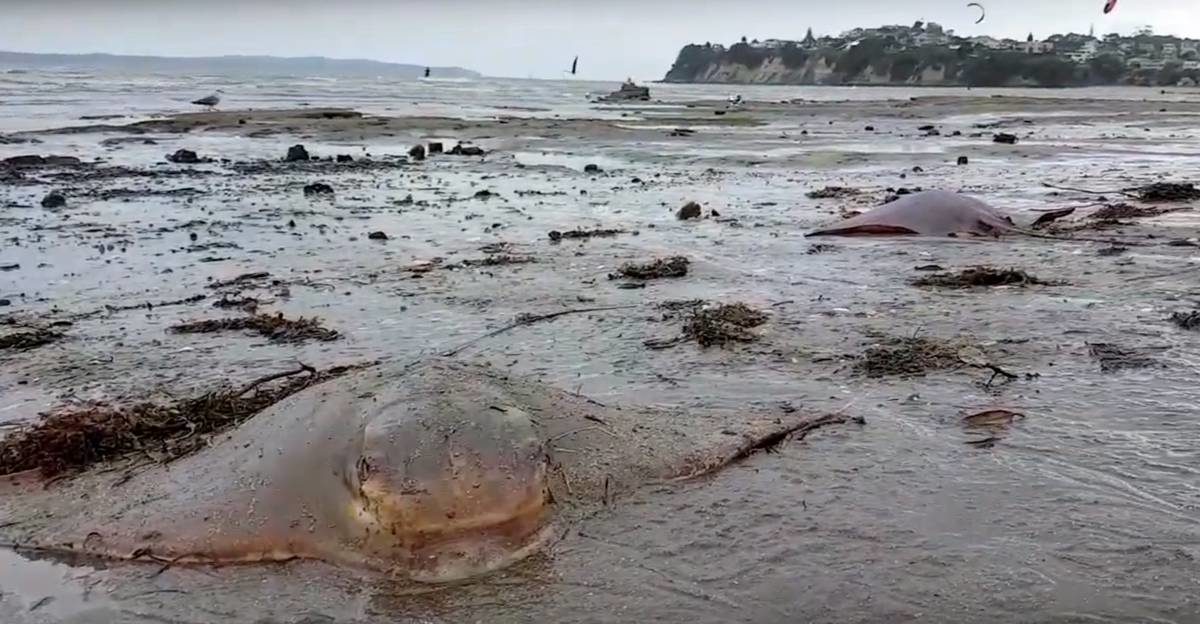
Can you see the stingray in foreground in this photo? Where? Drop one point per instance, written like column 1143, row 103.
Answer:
column 436, row 472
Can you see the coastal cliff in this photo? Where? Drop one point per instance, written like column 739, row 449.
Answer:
column 899, row 55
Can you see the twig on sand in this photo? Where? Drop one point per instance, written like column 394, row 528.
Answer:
column 304, row 368
column 1088, row 191
column 529, row 319
column 753, row 445
column 997, row 372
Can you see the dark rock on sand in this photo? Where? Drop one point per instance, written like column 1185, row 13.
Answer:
column 33, row 160
column 54, row 200
column 417, row 152
column 377, row 236
column 345, row 158
column 296, row 153
column 628, row 91
column 318, row 188
column 592, row 168
column 962, row 160
column 5, row 303
column 466, row 150
column 690, row 210
column 435, row 147
column 184, row 157
column 485, row 194
column 1004, row 137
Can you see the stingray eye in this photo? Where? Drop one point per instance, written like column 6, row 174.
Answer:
column 364, row 469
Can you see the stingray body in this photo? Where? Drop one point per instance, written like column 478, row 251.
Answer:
column 927, row 213
column 434, row 473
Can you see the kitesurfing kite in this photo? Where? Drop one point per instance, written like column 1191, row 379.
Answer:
column 983, row 11
column 1109, row 5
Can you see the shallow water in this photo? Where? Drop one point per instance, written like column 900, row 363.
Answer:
column 1085, row 511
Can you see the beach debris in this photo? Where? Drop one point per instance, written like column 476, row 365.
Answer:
column 417, row 152
column 911, row 355
column 1167, row 192
column 832, row 192
column 435, row 147
column 980, row 276
column 296, row 153
column 377, row 235
column 962, row 160
column 1112, row 250
column 317, row 188
column 26, row 338
column 1113, row 212
column 582, row 234
column 1005, row 138
column 185, row 157
column 274, row 327
column 1046, row 218
column 344, row 158
column 1186, row 320
column 240, row 280
column 690, row 210
column 1113, row 358
column 74, row 437
column 592, row 168
column 673, row 266
column 485, row 194
column 711, row 325
column 54, row 199
column 248, row 304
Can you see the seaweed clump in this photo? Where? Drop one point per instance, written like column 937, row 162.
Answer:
column 908, row 356
column 982, row 276
column 74, row 438
column 274, row 327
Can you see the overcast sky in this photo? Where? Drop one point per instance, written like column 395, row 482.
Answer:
column 530, row 38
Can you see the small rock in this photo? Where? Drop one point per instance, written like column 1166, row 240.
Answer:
column 636, row 181
column 917, row 169
column 9, row 267
column 690, row 210
column 296, row 153
column 241, row 122
column 54, row 200
column 956, row 133
column 715, row 213
column 417, row 152
column 927, row 128
column 718, row 112
column 184, row 157
column 5, row 303
column 345, row 158
column 485, row 194
column 149, row 142
column 291, row 223
column 435, row 147
column 869, row 128
column 1004, row 137
column 377, row 236
column 28, row 160
column 592, row 168
column 318, row 188
column 466, row 150
column 193, row 236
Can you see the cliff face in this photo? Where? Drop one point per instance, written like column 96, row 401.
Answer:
column 792, row 65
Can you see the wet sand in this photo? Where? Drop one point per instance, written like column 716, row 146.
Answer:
column 1085, row 510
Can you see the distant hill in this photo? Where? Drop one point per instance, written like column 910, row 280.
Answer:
column 236, row 65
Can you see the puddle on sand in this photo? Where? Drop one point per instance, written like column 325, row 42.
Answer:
column 41, row 590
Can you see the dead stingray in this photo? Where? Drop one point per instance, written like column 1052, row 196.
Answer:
column 939, row 213
column 436, row 472
column 927, row 213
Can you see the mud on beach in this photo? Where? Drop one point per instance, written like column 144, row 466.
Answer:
column 1093, row 489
